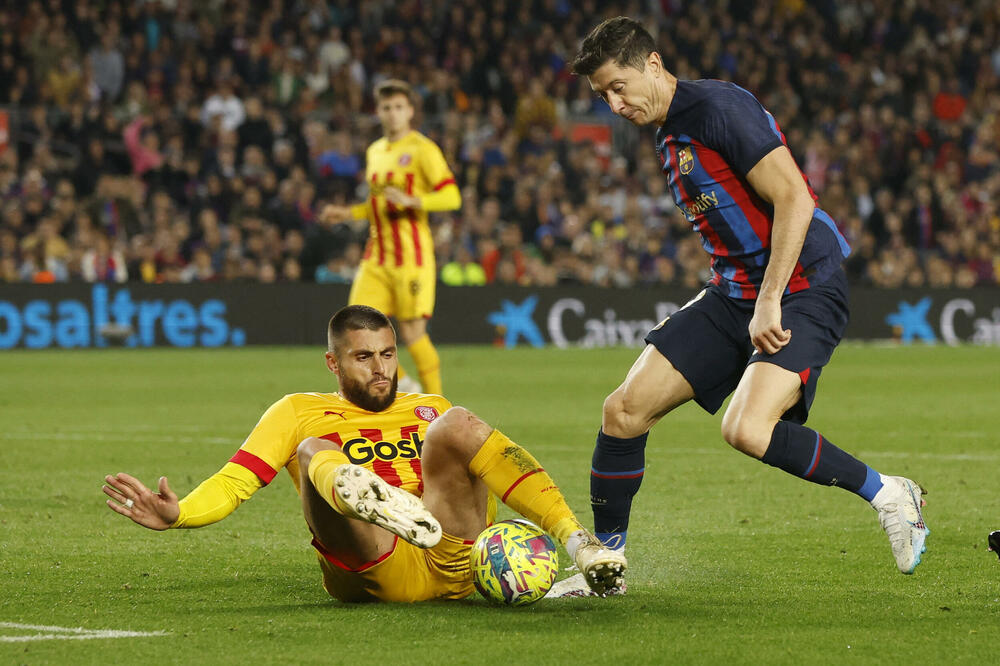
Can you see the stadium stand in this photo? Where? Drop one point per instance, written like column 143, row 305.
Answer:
column 175, row 141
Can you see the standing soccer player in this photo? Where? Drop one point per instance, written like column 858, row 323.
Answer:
column 408, row 178
column 772, row 314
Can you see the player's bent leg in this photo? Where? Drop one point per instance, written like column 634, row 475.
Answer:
column 463, row 457
column 753, row 424
column 652, row 388
column 346, row 504
column 765, row 392
column 456, row 496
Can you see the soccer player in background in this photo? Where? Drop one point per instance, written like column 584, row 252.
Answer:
column 771, row 316
column 372, row 467
column 408, row 178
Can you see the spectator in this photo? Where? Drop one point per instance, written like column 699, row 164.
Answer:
column 898, row 128
column 224, row 105
column 108, row 65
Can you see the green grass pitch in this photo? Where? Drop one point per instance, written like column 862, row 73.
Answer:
column 732, row 561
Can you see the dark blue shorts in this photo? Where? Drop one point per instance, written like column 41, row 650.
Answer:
column 708, row 340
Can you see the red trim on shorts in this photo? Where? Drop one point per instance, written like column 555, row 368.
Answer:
column 804, row 376
column 534, row 471
column 444, row 183
column 332, row 559
column 264, row 472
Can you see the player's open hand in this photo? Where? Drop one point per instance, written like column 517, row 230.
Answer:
column 332, row 214
column 766, row 333
column 130, row 498
column 398, row 197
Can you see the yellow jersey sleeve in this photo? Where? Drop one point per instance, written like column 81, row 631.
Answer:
column 272, row 443
column 437, row 174
column 217, row 496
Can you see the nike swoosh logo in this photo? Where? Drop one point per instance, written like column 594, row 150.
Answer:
column 340, row 414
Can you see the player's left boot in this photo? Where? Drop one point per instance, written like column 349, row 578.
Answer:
column 602, row 568
column 898, row 504
column 364, row 495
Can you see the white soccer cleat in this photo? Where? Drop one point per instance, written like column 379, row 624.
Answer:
column 576, row 586
column 900, row 516
column 409, row 385
column 364, row 495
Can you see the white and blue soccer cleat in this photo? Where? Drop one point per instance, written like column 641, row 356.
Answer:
column 898, row 505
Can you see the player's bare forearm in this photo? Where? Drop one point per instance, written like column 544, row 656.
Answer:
column 792, row 216
column 778, row 181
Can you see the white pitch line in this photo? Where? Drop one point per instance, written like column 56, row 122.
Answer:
column 69, row 633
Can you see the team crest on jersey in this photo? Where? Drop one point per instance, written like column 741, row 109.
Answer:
column 405, row 159
column 685, row 160
column 425, row 413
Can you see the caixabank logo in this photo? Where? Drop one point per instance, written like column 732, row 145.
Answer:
column 959, row 320
column 569, row 322
column 116, row 318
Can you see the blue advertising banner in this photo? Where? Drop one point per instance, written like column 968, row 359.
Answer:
column 236, row 314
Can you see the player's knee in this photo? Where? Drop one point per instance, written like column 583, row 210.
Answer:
column 745, row 435
column 458, row 430
column 619, row 418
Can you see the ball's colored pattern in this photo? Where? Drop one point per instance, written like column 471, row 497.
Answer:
column 514, row 562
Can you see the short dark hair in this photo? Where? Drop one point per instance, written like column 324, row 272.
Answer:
column 354, row 318
column 391, row 87
column 621, row 40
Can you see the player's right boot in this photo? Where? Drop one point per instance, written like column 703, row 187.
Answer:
column 900, row 516
column 364, row 495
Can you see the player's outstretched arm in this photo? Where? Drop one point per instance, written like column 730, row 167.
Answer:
column 132, row 499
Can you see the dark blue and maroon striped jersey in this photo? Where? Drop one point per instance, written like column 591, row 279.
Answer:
column 714, row 134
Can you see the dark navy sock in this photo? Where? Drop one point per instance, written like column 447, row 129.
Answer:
column 805, row 453
column 615, row 476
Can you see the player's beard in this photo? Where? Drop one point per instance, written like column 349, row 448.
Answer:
column 358, row 393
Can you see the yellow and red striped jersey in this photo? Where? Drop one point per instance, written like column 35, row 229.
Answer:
column 388, row 442
column 414, row 164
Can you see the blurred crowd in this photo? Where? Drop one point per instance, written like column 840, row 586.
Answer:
column 180, row 141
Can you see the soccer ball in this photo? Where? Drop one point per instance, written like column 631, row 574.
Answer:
column 513, row 563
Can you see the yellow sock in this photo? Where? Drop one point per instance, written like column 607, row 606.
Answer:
column 513, row 475
column 322, row 467
column 428, row 364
